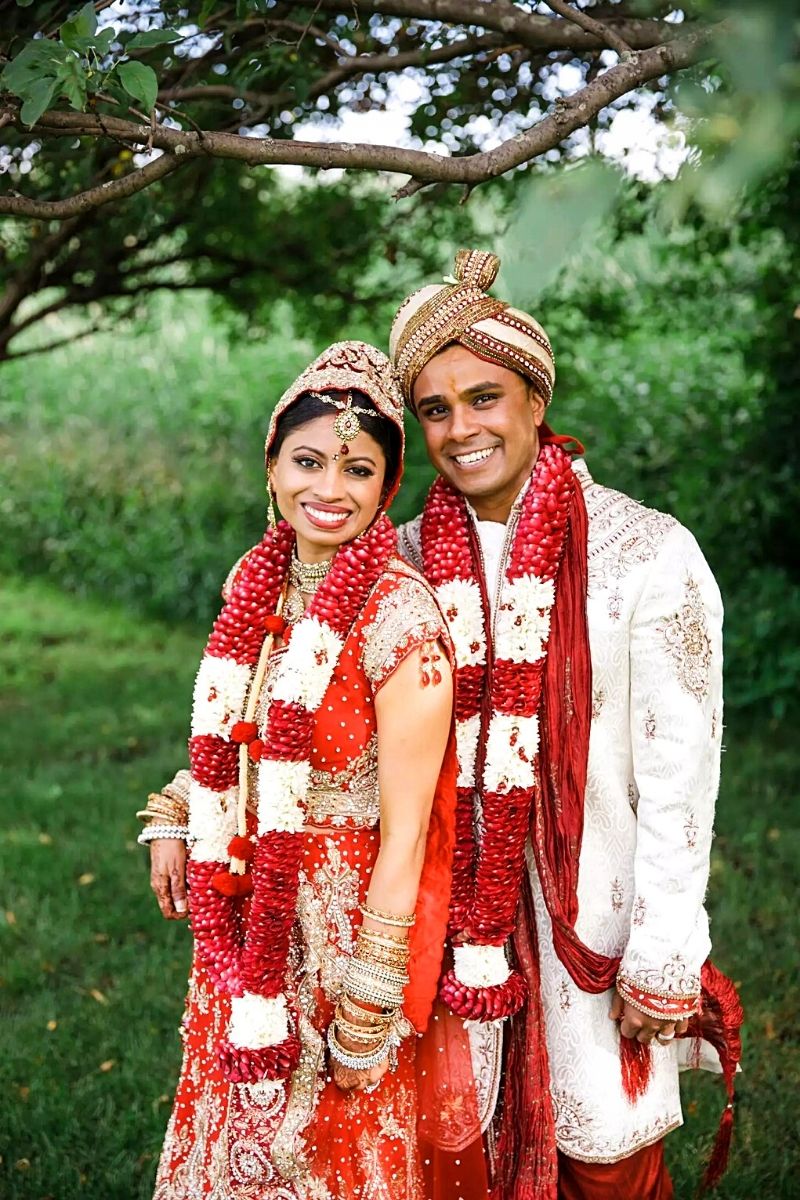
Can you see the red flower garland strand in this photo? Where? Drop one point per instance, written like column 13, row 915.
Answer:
column 486, row 880
column 254, row 958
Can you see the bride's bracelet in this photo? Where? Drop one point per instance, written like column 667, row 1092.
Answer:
column 398, row 920
column 363, row 1062
column 152, row 833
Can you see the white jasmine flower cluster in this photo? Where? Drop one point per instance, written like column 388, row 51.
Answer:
column 522, row 624
column 212, row 821
column 467, row 734
column 307, row 666
column 481, row 966
column 258, row 1021
column 511, row 748
column 282, row 788
column 219, row 694
column 460, row 601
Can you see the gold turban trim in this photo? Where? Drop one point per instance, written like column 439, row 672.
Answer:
column 461, row 311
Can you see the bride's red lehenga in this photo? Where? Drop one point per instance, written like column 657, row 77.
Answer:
column 303, row 1138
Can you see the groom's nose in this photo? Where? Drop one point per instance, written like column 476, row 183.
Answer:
column 464, row 423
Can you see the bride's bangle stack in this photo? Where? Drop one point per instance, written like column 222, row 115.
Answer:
column 370, row 1010
column 167, row 812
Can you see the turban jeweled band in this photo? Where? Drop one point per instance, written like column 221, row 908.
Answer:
column 461, row 311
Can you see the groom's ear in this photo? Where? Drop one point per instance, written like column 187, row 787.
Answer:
column 537, row 403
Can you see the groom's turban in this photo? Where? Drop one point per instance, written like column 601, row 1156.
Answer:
column 460, row 311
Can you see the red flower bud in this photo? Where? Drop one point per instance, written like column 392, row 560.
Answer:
column 232, row 885
column 244, row 732
column 241, row 847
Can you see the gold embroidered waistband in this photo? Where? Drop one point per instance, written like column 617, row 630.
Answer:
column 362, row 808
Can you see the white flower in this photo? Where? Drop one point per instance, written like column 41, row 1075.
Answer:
column 511, row 748
column 467, row 734
column 481, row 966
column 308, row 664
column 460, row 601
column 257, row 1021
column 219, row 695
column 212, row 821
column 522, row 624
column 282, row 788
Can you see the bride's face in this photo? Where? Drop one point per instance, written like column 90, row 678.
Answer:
column 327, row 497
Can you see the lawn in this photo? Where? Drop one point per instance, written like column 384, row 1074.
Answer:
column 93, row 714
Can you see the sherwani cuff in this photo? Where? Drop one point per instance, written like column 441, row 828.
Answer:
column 663, row 1004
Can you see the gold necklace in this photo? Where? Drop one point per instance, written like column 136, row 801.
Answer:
column 305, row 578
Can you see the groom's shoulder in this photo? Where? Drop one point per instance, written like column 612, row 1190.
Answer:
column 409, row 543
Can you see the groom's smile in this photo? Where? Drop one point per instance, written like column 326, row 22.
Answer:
column 480, row 421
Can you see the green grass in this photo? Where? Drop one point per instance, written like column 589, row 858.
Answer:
column 93, row 714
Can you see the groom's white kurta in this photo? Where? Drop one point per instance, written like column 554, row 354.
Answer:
column 655, row 630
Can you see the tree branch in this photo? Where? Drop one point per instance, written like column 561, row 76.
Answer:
column 424, row 167
column 536, row 32
column 104, row 193
column 579, row 17
column 347, row 67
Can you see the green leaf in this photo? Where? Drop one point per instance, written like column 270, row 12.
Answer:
column 102, row 43
column 78, row 32
column 153, row 37
column 139, row 81
column 38, row 99
column 37, row 60
column 72, row 81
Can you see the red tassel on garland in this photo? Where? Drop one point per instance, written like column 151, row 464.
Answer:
column 636, row 1064
column 244, row 731
column 232, row 885
column 255, row 750
column 241, row 847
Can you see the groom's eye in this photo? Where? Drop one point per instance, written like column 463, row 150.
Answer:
column 432, row 411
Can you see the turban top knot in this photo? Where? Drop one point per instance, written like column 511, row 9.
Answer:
column 461, row 312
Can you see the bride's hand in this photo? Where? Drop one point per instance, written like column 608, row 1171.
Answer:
column 168, row 876
column 357, row 1081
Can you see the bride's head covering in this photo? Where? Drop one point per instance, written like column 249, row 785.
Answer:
column 343, row 369
column 459, row 310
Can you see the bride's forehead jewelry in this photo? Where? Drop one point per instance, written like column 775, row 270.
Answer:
column 346, row 426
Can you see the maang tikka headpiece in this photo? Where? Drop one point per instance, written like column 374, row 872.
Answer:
column 347, row 426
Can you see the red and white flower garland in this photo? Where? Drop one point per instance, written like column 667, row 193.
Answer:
column 247, row 958
column 497, row 742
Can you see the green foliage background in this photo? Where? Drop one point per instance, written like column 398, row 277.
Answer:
column 131, row 464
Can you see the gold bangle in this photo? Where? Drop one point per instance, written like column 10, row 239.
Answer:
column 357, row 1010
column 400, row 920
column 380, row 935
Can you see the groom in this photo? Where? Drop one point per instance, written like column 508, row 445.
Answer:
column 589, row 717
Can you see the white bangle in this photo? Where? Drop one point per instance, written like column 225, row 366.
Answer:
column 152, row 832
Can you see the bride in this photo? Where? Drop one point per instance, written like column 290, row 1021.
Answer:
column 319, row 812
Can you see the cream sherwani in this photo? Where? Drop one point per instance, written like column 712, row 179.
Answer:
column 655, row 630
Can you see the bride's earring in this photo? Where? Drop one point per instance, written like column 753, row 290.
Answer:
column 271, row 519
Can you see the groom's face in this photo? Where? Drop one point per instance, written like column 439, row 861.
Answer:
column 480, row 423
